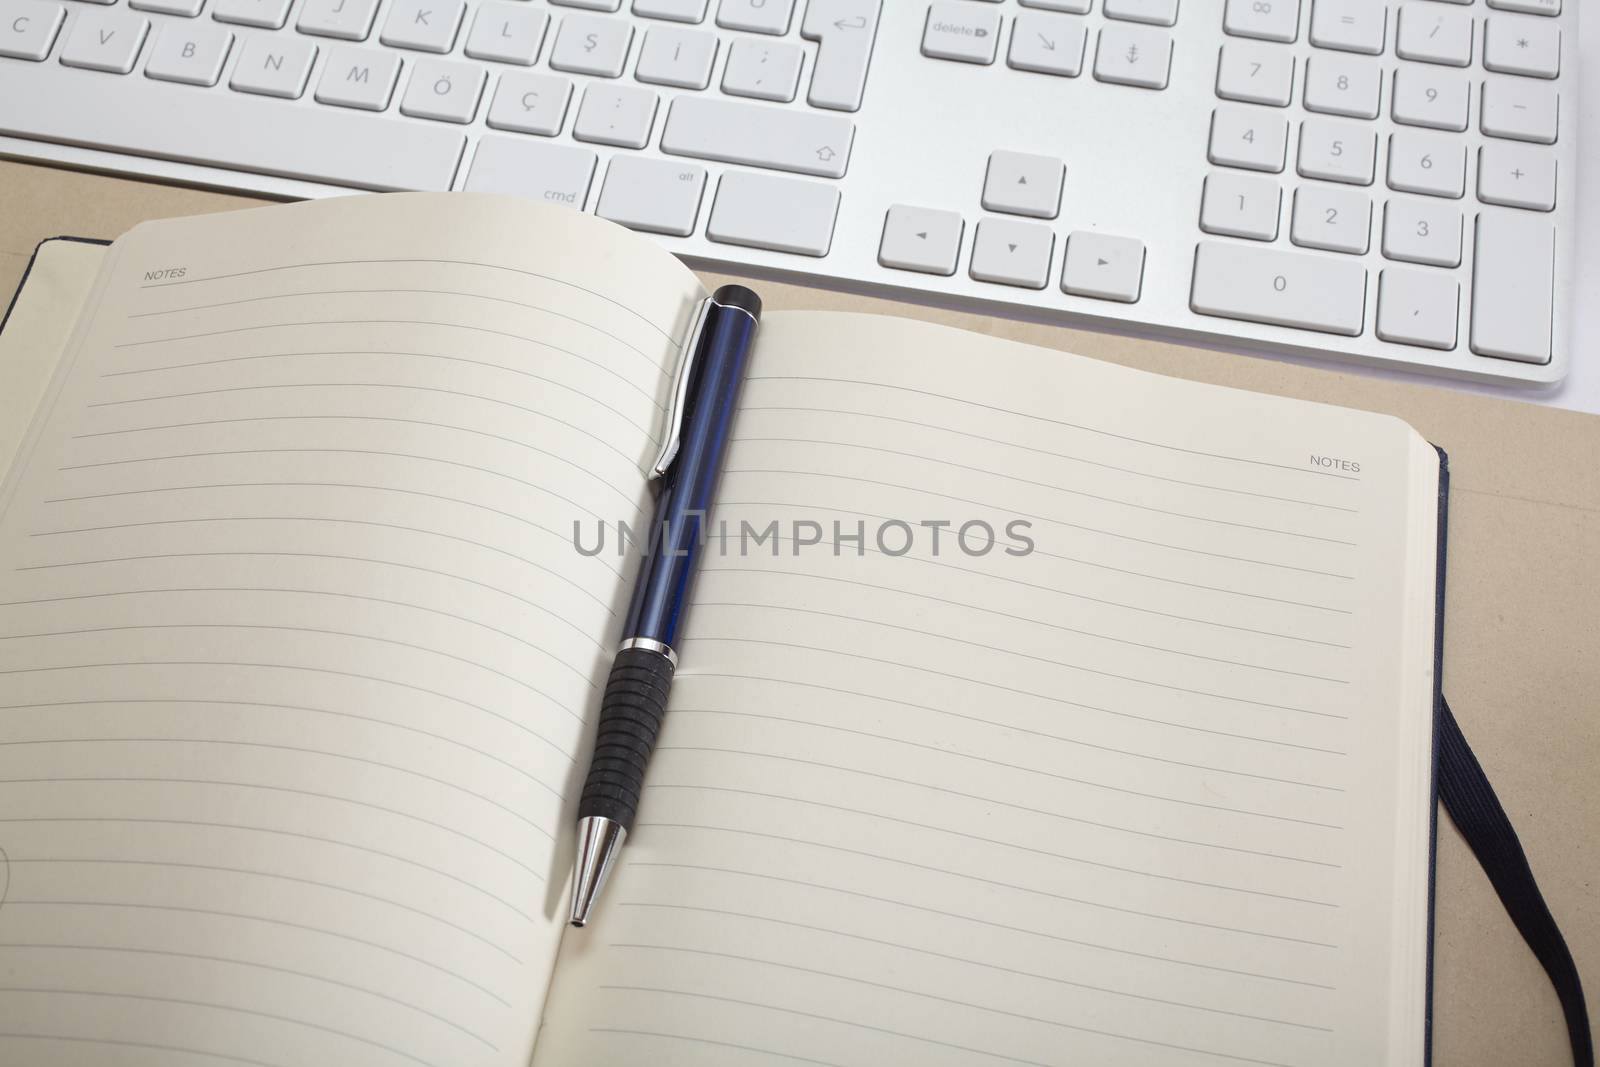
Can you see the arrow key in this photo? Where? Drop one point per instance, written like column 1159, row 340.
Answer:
column 1012, row 253
column 1022, row 184
column 921, row 239
column 1103, row 266
column 1047, row 44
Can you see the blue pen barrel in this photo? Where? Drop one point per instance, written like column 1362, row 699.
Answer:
column 688, row 491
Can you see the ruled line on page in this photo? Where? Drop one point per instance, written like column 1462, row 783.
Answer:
column 842, row 691
column 232, row 783
column 941, row 428
column 295, row 519
column 1028, row 619
column 965, row 402
column 244, row 828
column 491, row 942
column 181, row 909
column 405, row 387
column 986, row 472
column 760, row 606
column 509, row 335
column 786, row 1056
column 991, row 506
column 1082, row 902
column 666, row 332
column 729, row 503
column 463, row 660
column 553, row 615
column 965, row 960
column 952, row 1001
column 253, row 965
column 585, row 323
column 143, row 1046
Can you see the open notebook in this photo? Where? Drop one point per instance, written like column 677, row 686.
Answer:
column 299, row 662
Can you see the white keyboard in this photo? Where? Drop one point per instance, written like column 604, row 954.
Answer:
column 1386, row 182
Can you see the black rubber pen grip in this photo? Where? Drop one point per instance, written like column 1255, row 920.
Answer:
column 631, row 711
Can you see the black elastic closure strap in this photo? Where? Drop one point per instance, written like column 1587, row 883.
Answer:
column 1476, row 811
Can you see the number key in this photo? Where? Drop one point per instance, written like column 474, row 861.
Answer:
column 1337, row 151
column 1255, row 73
column 1240, row 205
column 1430, row 97
column 1422, row 231
column 1268, row 20
column 1326, row 216
column 1248, row 138
column 1343, row 85
column 1428, row 163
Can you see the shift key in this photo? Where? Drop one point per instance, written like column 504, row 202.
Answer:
column 804, row 142
column 1282, row 288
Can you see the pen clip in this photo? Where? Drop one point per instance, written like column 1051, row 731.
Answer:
column 680, row 391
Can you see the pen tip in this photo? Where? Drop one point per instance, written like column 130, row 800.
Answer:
column 599, row 839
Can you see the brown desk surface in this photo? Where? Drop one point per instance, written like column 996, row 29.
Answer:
column 1522, row 669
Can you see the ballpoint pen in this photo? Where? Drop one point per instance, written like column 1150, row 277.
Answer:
column 705, row 394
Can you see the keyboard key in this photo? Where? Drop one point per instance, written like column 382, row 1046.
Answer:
column 231, row 130
column 1134, row 55
column 763, row 70
column 1517, row 176
column 1155, row 12
column 655, row 195
column 183, row 8
column 1257, row 284
column 618, row 115
column 1331, row 218
column 1336, row 151
column 806, row 142
column 587, row 44
column 1071, row 7
column 1240, row 205
column 1428, row 97
column 1255, row 73
column 1343, row 85
column 1519, row 109
column 1430, row 163
column 507, row 33
column 263, row 14
column 591, row 5
column 358, row 77
column 348, row 20
column 961, row 31
column 1513, row 264
column 1103, row 266
column 105, row 40
column 1020, row 184
column 1267, row 20
column 28, row 28
column 443, row 90
column 1012, row 253
column 1530, row 7
column 1526, row 46
column 1248, row 138
column 549, row 173
column 273, row 66
column 530, row 103
column 921, row 239
column 757, row 16
column 1418, row 308
column 1047, row 44
column 676, row 10
column 1422, row 231
column 423, row 25
column 189, row 52
column 782, row 214
column 1433, row 33
column 844, row 31
column 1348, row 25
column 678, row 57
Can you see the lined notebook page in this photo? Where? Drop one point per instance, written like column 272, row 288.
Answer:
column 295, row 649
column 1156, row 793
